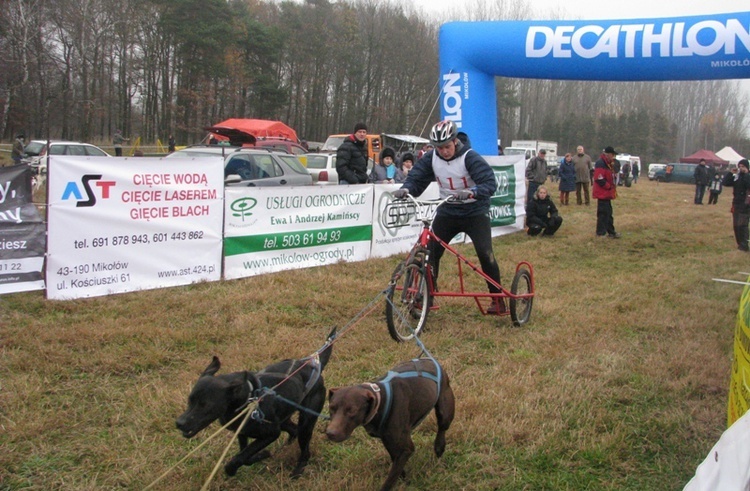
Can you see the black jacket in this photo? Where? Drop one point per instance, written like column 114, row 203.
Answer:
column 740, row 184
column 539, row 211
column 701, row 175
column 351, row 161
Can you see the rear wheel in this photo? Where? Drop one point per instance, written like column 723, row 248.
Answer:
column 408, row 300
column 520, row 308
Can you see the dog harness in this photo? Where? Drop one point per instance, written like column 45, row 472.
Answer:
column 387, row 399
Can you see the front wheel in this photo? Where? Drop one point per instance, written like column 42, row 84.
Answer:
column 407, row 303
column 520, row 308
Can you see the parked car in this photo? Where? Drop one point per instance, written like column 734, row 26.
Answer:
column 322, row 167
column 256, row 167
column 653, row 168
column 684, row 173
column 203, row 151
column 281, row 145
column 36, row 151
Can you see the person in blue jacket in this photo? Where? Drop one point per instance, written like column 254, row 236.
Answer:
column 567, row 175
column 461, row 173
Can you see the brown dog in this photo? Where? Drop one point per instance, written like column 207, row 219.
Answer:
column 392, row 407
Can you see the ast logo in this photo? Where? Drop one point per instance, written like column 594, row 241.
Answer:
column 72, row 191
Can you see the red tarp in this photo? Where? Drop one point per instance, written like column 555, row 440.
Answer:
column 259, row 128
column 707, row 155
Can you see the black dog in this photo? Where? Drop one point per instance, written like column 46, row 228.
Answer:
column 222, row 397
column 392, row 407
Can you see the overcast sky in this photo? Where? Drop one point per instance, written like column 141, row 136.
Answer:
column 603, row 9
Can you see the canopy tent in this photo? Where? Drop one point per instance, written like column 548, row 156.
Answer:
column 258, row 128
column 729, row 154
column 706, row 155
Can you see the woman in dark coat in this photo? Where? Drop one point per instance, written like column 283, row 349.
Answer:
column 567, row 174
column 541, row 214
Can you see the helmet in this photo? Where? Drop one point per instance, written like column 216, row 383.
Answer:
column 443, row 132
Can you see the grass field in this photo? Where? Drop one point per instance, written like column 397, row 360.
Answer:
column 619, row 381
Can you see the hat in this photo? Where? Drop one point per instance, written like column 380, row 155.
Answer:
column 744, row 164
column 610, row 150
column 360, row 126
column 543, row 151
column 407, row 156
column 387, row 152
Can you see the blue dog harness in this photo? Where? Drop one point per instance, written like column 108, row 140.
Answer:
column 388, row 396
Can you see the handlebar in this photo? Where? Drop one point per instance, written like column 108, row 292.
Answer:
column 425, row 210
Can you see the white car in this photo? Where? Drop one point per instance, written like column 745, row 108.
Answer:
column 36, row 152
column 322, row 167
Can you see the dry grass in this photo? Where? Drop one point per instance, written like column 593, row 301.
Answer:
column 618, row 382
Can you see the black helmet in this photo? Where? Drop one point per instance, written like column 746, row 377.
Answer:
column 443, row 132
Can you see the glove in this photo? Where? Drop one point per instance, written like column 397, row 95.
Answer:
column 401, row 193
column 464, row 194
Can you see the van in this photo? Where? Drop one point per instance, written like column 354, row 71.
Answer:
column 653, row 169
column 676, row 173
column 373, row 144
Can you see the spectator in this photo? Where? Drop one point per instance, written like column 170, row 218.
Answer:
column 541, row 214
column 616, row 164
column 567, row 174
column 386, row 171
column 536, row 173
column 463, row 174
column 715, row 189
column 701, row 181
column 584, row 166
column 636, row 171
column 117, row 141
column 351, row 157
column 625, row 171
column 407, row 162
column 739, row 181
column 426, row 148
column 18, row 149
column 604, row 191
column 171, row 144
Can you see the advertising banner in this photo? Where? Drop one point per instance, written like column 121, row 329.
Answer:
column 22, row 233
column 706, row 47
column 739, row 385
column 507, row 206
column 119, row 225
column 280, row 228
column 395, row 228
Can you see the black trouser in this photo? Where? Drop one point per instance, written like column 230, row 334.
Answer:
column 550, row 226
column 478, row 228
column 605, row 220
column 713, row 197
column 741, row 234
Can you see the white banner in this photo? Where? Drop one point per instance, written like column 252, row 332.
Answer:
column 119, row 225
column 395, row 228
column 508, row 204
column 278, row 228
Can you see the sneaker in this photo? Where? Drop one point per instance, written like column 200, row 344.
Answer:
column 497, row 306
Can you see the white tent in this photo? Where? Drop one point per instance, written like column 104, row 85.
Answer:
column 728, row 153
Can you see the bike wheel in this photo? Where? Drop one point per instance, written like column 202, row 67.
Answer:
column 520, row 308
column 407, row 302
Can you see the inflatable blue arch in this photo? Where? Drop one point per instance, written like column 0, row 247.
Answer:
column 683, row 48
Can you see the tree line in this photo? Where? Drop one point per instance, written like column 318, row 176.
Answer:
column 80, row 69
